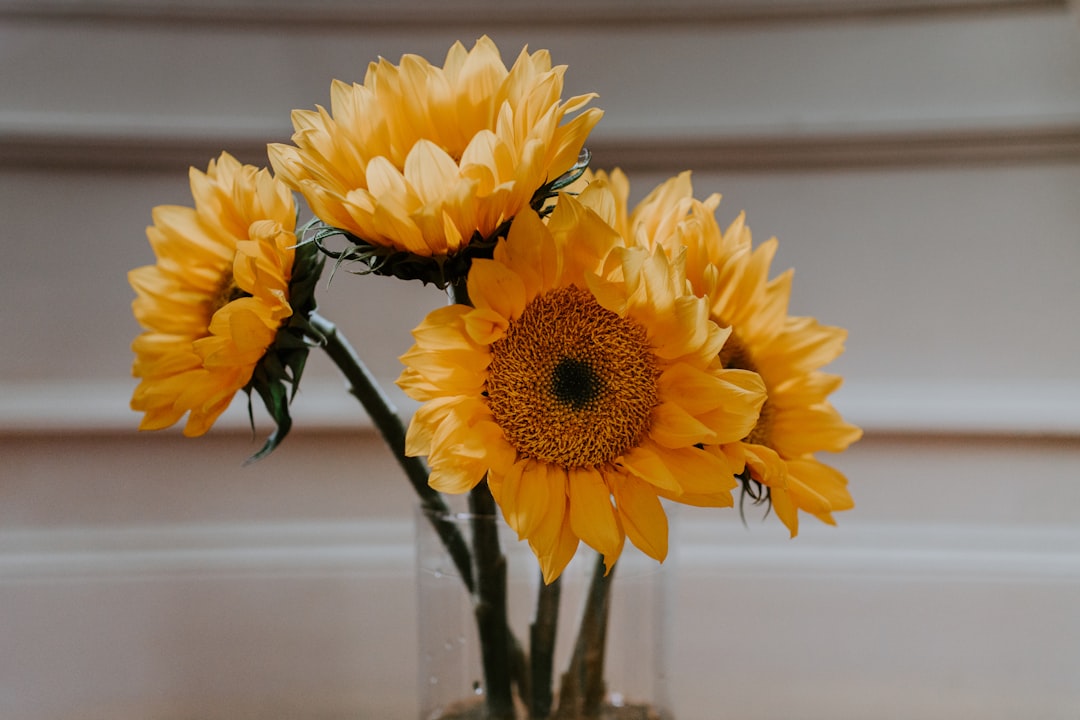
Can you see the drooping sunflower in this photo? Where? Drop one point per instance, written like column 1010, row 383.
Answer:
column 797, row 419
column 583, row 380
column 227, row 285
column 424, row 159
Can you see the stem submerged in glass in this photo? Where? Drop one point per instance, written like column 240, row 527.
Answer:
column 581, row 692
column 542, row 645
column 489, row 605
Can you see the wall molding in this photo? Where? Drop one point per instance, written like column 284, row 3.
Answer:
column 428, row 13
column 859, row 149
column 378, row 548
column 984, row 407
column 317, row 621
column 293, row 550
column 896, row 552
column 1037, row 409
column 140, row 144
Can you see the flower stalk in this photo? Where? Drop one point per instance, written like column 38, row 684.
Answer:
column 483, row 566
column 366, row 389
column 542, row 647
column 581, row 692
column 489, row 606
column 499, row 651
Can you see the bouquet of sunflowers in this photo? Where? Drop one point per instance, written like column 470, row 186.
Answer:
column 594, row 360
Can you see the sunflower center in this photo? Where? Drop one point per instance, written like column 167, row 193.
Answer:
column 227, row 292
column 572, row 383
column 575, row 383
column 737, row 356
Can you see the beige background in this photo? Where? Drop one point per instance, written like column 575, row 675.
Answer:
column 920, row 163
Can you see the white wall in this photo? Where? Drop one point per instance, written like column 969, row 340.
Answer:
column 920, row 163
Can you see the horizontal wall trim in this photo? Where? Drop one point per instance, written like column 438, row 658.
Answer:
column 951, row 553
column 989, row 407
column 498, row 12
column 127, row 146
column 144, row 552
column 861, row 149
column 896, row 408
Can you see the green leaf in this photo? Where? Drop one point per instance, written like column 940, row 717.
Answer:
column 276, row 378
column 277, row 404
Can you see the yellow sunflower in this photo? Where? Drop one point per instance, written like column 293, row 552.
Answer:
column 213, row 303
column 424, row 159
column 787, row 351
column 583, row 380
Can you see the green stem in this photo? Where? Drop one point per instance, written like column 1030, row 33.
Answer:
column 542, row 648
column 367, row 390
column 582, row 691
column 489, row 606
column 503, row 657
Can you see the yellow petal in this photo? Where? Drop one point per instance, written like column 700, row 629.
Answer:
column 801, row 431
column 385, row 180
column 427, row 418
column 560, row 553
column 598, row 198
column 553, row 540
column 443, row 329
column 642, row 516
column 694, row 389
column 528, row 490
column 826, row 481
column 644, row 462
column 743, row 397
column 807, row 345
column 765, row 465
column 672, row 427
column 391, row 219
column 785, row 508
column 801, row 390
column 455, row 478
column 529, row 250
column 493, row 286
column 485, row 326
column 430, row 171
column 592, row 517
column 705, row 477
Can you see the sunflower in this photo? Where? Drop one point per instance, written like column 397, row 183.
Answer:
column 424, row 159
column 787, row 351
column 213, row 304
column 582, row 380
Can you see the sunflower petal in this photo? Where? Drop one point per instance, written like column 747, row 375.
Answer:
column 642, row 516
column 528, row 490
column 592, row 517
column 495, row 287
column 673, row 427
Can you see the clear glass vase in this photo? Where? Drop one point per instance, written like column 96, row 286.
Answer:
column 558, row 654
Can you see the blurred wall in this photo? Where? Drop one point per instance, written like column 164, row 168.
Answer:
column 920, row 164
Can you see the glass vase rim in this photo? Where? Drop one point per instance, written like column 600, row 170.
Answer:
column 450, row 515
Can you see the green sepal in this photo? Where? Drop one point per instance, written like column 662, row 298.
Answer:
column 277, row 404
column 758, row 493
column 277, row 375
column 553, row 188
column 360, row 257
